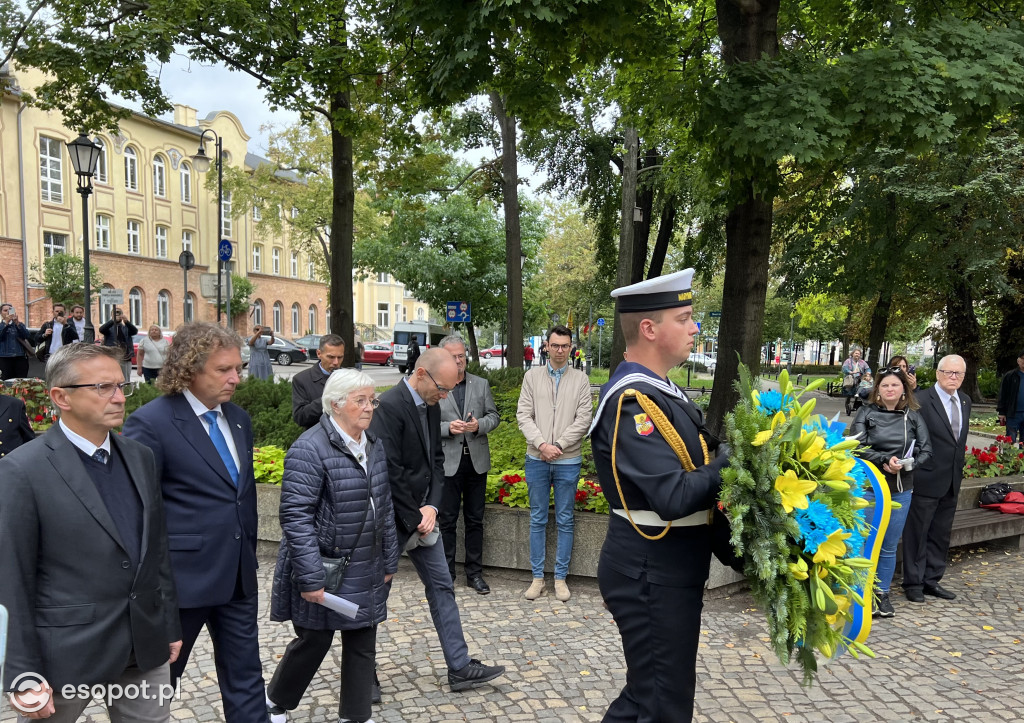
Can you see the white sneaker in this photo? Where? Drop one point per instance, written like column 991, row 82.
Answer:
column 276, row 713
column 535, row 590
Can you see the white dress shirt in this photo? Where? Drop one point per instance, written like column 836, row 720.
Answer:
column 84, row 444
column 222, row 422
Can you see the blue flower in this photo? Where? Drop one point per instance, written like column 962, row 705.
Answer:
column 832, row 431
column 772, row 401
column 816, row 523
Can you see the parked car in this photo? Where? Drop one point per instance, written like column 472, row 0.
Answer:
column 496, row 350
column 285, row 352
column 311, row 343
column 168, row 335
column 378, row 353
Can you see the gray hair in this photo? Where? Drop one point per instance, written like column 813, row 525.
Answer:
column 955, row 358
column 61, row 366
column 331, row 340
column 451, row 340
column 341, row 383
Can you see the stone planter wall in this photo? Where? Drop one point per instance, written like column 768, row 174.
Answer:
column 506, row 538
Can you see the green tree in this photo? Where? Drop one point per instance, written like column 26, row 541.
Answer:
column 63, row 278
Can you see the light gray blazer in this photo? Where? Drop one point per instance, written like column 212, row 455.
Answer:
column 480, row 402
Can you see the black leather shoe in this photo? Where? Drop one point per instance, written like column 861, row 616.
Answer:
column 914, row 595
column 474, row 674
column 477, row 583
column 375, row 690
column 939, row 591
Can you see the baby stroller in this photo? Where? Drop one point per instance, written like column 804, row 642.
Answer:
column 855, row 395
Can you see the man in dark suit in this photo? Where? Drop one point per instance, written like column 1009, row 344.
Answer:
column 409, row 424
column 203, row 449
column 118, row 332
column 14, row 427
column 308, row 385
column 83, row 555
column 54, row 334
column 936, row 483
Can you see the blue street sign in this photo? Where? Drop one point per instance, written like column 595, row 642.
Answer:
column 459, row 311
column 698, row 326
column 600, row 322
column 224, row 250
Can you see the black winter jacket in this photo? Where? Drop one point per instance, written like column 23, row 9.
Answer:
column 1008, row 388
column 316, row 521
column 886, row 434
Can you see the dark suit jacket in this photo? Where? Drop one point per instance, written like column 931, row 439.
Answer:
column 68, row 334
column 77, row 608
column 211, row 524
column 307, row 389
column 117, row 335
column 14, row 427
column 945, row 469
column 415, row 464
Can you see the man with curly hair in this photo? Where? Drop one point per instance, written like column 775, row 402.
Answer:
column 203, row 448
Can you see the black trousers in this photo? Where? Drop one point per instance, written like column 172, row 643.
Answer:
column 466, row 490
column 660, row 630
column 926, row 539
column 13, row 367
column 303, row 657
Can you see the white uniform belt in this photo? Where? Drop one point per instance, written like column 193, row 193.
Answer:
column 651, row 519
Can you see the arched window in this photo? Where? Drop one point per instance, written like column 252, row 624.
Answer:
column 186, row 183
column 311, row 319
column 190, row 307
column 295, row 319
column 278, row 313
column 257, row 312
column 419, row 314
column 163, row 309
column 102, row 175
column 135, row 305
column 131, row 169
column 161, row 242
column 275, row 257
column 159, row 177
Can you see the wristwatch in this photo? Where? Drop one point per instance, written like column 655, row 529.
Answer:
column 556, row 444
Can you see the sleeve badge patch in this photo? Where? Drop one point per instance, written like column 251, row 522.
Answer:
column 644, row 425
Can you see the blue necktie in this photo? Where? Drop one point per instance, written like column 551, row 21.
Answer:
column 222, row 446
column 100, row 455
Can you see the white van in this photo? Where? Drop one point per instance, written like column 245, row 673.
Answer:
column 427, row 335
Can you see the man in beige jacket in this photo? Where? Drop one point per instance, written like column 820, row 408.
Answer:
column 555, row 410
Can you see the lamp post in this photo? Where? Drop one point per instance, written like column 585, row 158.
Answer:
column 85, row 154
column 201, row 161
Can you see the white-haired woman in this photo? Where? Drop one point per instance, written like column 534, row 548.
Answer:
column 335, row 504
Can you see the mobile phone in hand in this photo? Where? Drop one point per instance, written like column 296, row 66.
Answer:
column 469, row 417
column 911, row 369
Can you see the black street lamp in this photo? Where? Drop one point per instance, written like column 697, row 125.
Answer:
column 85, row 155
column 201, row 161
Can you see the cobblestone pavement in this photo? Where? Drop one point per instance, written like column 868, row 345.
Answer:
column 940, row 661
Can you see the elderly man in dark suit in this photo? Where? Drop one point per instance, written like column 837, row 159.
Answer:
column 203, row 448
column 936, row 483
column 83, row 555
column 308, row 385
column 468, row 415
column 409, row 424
column 14, row 427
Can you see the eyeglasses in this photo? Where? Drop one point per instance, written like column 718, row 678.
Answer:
column 951, row 375
column 559, row 347
column 443, row 390
column 105, row 389
column 371, row 402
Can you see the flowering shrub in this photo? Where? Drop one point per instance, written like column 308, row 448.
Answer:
column 589, row 497
column 1002, row 459
column 33, row 393
column 268, row 464
column 510, row 489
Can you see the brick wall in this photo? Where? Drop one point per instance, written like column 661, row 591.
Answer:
column 12, row 275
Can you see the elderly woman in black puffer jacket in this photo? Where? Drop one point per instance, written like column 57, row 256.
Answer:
column 335, row 502
column 887, row 426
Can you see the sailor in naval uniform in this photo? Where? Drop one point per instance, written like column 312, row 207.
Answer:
column 660, row 470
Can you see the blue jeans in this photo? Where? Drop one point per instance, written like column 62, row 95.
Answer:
column 540, row 477
column 893, row 533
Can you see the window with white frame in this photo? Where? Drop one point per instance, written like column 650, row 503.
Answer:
column 163, row 309
column 102, row 174
column 382, row 278
column 51, row 170
column 419, row 314
column 54, row 243
column 190, row 307
column 131, row 169
column 161, row 242
column 275, row 258
column 159, row 177
column 311, row 319
column 134, row 238
column 186, row 240
column 225, row 229
column 257, row 214
column 102, row 231
column 257, row 312
column 278, row 313
column 310, row 270
column 405, row 313
column 186, row 183
column 383, row 315
column 294, row 265
column 257, row 257
column 295, row 212
column 135, row 305
column 295, row 319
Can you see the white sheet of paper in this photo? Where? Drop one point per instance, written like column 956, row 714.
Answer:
column 910, row 450
column 340, row 605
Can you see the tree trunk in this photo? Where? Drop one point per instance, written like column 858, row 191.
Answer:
column 748, row 29
column 879, row 324
column 342, row 216
column 627, row 229
column 665, row 229
column 513, row 239
column 645, row 202
column 474, row 349
column 1011, row 332
column 962, row 329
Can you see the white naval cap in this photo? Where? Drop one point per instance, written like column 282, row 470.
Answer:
column 663, row 292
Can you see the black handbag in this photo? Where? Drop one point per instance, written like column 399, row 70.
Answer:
column 334, row 567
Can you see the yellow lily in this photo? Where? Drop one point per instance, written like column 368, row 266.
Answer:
column 843, row 604
column 810, row 446
column 839, row 469
column 798, row 569
column 831, row 548
column 794, row 491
